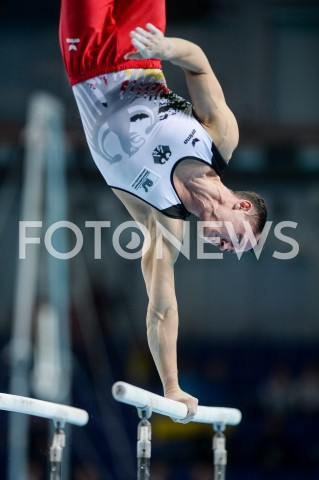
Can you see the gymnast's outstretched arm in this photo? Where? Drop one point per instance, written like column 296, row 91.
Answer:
column 205, row 90
column 162, row 313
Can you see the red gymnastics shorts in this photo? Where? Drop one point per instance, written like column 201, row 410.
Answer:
column 94, row 35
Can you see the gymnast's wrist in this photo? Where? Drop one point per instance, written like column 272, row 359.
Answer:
column 170, row 384
column 168, row 49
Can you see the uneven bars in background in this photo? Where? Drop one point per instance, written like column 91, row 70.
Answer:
column 139, row 398
column 39, row 408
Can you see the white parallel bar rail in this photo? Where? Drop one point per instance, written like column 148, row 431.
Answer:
column 40, row 408
column 126, row 393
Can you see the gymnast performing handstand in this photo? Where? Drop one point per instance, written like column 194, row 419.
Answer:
column 162, row 155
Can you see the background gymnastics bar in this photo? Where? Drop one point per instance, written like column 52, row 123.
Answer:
column 39, row 408
column 139, row 398
column 59, row 414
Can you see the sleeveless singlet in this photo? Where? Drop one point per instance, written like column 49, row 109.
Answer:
column 138, row 131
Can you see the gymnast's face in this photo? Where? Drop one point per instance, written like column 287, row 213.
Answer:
column 230, row 241
column 229, row 230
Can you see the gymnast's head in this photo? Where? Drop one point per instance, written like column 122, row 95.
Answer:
column 238, row 223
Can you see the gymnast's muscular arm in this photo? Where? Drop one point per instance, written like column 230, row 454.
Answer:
column 162, row 313
column 205, row 91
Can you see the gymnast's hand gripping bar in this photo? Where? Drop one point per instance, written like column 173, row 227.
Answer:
column 139, row 398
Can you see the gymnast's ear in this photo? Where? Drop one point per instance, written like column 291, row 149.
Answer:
column 244, row 205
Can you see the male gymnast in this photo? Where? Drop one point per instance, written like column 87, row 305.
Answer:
column 162, row 156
